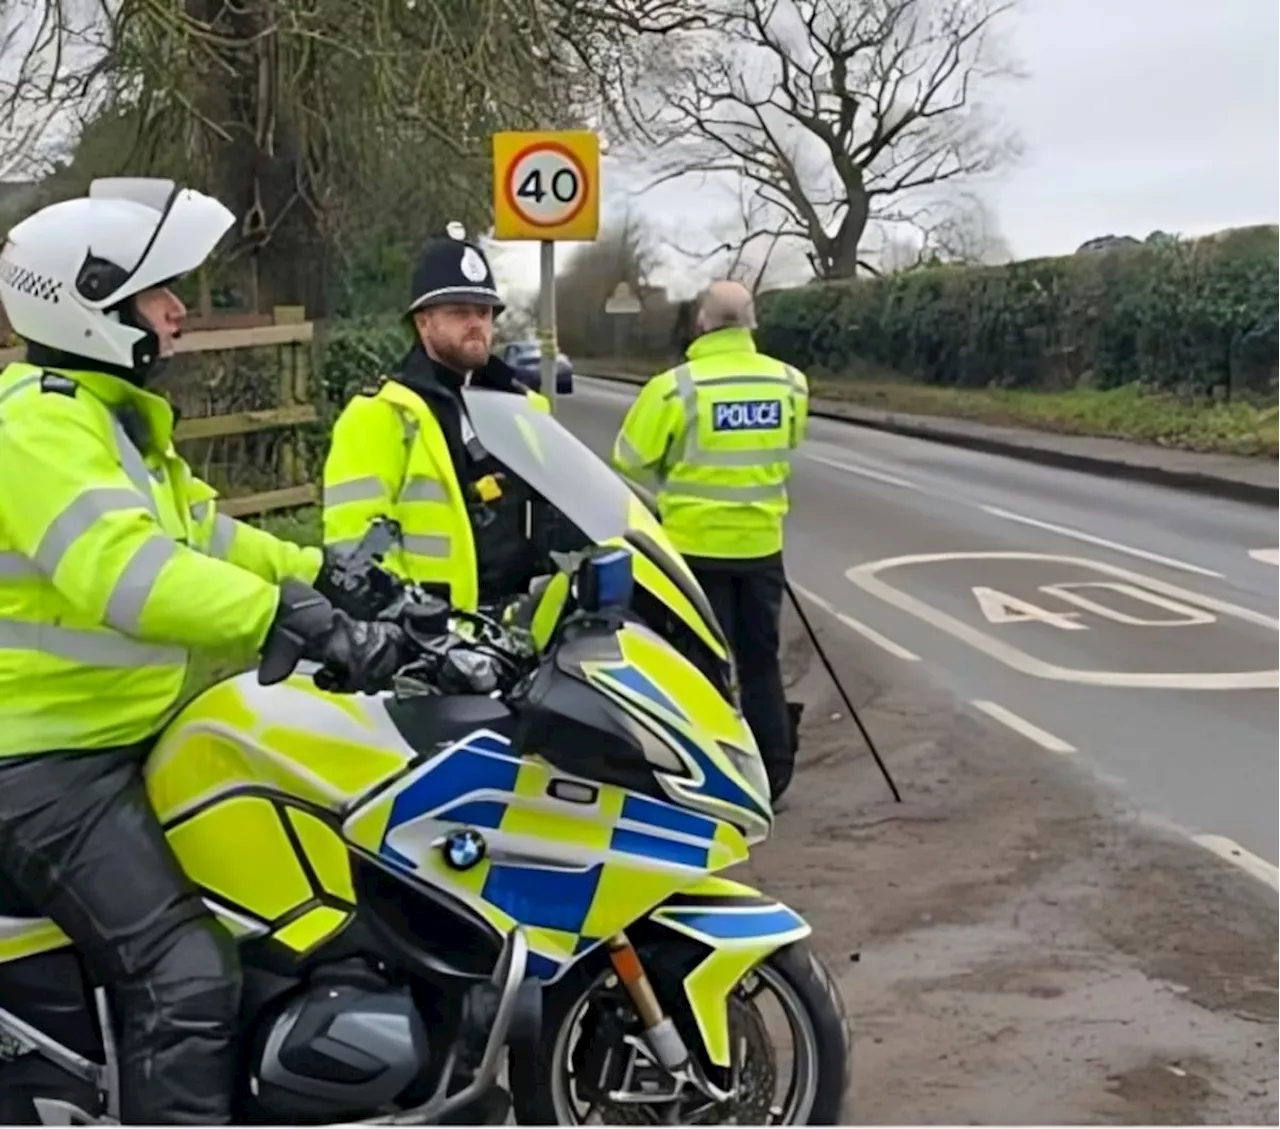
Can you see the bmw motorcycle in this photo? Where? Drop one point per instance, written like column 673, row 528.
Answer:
column 511, row 858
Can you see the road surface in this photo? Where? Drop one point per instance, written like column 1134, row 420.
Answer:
column 1130, row 627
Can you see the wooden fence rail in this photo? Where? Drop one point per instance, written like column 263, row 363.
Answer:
column 293, row 338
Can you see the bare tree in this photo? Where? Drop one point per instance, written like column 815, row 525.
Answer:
column 619, row 55
column 959, row 230
column 968, row 233
column 838, row 111
column 754, row 243
column 624, row 252
column 327, row 125
column 40, row 106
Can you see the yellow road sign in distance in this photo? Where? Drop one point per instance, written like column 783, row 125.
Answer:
column 546, row 186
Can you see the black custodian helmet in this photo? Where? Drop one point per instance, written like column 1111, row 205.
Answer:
column 451, row 269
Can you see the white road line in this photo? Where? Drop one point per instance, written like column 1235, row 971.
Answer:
column 866, row 472
column 1266, row 556
column 869, row 633
column 1021, row 725
column 996, row 511
column 866, row 576
column 1235, row 854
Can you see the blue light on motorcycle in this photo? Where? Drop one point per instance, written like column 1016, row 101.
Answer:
column 463, row 849
column 606, row 581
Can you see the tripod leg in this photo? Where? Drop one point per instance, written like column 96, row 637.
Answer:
column 844, row 696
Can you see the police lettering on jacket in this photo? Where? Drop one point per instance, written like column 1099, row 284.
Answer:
column 747, row 415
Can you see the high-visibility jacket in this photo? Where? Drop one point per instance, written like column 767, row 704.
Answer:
column 714, row 437
column 118, row 578
column 388, row 458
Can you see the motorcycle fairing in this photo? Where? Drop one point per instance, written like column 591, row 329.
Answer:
column 249, row 801
column 661, row 689
column 740, row 927
column 571, row 859
column 562, row 469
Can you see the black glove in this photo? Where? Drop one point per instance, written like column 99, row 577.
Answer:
column 359, row 587
column 355, row 656
column 360, row 657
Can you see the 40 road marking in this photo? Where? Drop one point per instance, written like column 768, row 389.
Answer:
column 866, row 577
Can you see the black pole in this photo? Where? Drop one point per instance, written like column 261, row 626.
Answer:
column 844, row 696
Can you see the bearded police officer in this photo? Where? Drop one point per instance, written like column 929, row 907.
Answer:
column 715, row 437
column 404, row 450
column 116, row 573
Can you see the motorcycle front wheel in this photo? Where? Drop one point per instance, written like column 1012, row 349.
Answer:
column 591, row 1066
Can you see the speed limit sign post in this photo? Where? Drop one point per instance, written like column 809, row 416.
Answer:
column 546, row 188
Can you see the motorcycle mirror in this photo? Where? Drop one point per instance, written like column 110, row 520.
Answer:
column 606, row 581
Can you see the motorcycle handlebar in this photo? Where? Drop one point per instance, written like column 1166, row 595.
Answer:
column 450, row 651
column 453, row 651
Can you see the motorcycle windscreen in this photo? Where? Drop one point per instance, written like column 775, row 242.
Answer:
column 582, row 486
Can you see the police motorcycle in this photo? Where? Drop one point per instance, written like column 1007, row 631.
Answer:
column 510, row 858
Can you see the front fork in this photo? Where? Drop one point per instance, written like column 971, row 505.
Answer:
column 662, row 1040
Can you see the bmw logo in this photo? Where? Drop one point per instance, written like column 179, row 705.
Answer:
column 463, row 849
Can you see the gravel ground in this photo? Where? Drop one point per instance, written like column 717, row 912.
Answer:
column 1013, row 944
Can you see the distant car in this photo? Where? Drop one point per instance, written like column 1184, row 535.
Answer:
column 526, row 358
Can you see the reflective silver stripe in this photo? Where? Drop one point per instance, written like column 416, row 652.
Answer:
column 625, row 451
column 200, row 511
column 366, row 489
column 423, row 489
column 16, row 564
column 25, row 382
column 86, row 509
column 224, row 533
column 691, row 452
column 758, row 457
column 346, row 545
column 135, row 583
column 94, row 648
column 709, row 493
column 426, row 545
column 713, row 381
column 135, row 467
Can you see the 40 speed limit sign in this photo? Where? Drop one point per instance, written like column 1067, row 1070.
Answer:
column 546, row 186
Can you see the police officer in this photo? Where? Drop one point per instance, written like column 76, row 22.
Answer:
column 116, row 572
column 714, row 436
column 404, row 450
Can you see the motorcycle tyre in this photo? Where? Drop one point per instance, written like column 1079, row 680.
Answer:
column 530, row 1074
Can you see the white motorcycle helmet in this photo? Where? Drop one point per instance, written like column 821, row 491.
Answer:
column 67, row 273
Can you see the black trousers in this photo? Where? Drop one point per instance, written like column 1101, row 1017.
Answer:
column 80, row 843
column 748, row 603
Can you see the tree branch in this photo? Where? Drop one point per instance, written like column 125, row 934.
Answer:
column 839, row 109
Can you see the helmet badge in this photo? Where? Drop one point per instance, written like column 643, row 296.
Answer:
column 473, row 268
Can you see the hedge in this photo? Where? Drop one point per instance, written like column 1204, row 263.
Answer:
column 1188, row 316
column 355, row 352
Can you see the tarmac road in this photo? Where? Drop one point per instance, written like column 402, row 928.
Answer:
column 1130, row 627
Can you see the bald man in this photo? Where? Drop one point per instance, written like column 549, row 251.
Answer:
column 714, row 438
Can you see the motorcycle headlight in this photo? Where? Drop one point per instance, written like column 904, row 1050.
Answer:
column 751, row 767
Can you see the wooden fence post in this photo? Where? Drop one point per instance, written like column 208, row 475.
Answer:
column 290, row 358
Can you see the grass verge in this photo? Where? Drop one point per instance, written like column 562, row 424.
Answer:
column 302, row 526
column 1117, row 413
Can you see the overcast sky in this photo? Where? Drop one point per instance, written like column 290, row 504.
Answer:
column 1136, row 115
